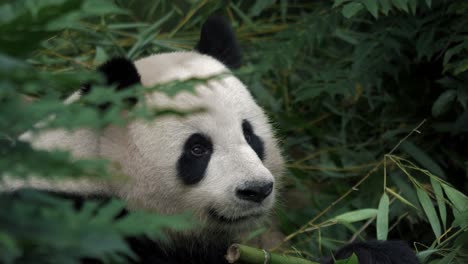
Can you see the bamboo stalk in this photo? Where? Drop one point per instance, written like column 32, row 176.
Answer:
column 238, row 253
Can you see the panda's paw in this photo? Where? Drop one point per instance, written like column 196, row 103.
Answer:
column 376, row 252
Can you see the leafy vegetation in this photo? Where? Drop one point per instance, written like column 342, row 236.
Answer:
column 369, row 97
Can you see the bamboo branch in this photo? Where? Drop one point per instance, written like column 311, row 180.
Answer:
column 238, row 253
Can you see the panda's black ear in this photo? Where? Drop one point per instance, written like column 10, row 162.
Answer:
column 218, row 40
column 117, row 71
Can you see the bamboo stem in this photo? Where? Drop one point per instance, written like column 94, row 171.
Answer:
column 238, row 253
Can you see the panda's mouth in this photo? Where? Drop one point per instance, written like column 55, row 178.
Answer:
column 230, row 220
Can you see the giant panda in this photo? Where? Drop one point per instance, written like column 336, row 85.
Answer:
column 223, row 163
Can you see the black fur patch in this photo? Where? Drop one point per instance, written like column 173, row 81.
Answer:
column 218, row 40
column 189, row 250
column 377, row 252
column 254, row 141
column 191, row 168
column 117, row 71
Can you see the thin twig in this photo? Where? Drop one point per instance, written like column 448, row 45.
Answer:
column 363, row 227
column 416, row 129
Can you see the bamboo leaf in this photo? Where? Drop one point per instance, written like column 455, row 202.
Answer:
column 382, row 217
column 401, row 4
column 462, row 97
column 400, row 198
column 422, row 158
column 260, row 6
column 425, row 254
column 460, row 219
column 461, row 67
column 339, row 2
column 385, row 6
column 351, row 9
column 101, row 56
column 440, row 201
column 458, row 199
column 147, row 36
column 430, row 212
column 449, row 257
column 429, row 3
column 372, row 7
column 443, row 102
column 413, row 5
column 355, row 216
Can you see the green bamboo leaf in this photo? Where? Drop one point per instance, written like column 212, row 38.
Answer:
column 440, row 201
column 372, row 7
column 101, row 56
column 351, row 9
column 462, row 97
column 10, row 249
column 346, row 36
column 422, row 158
column 413, row 5
column 385, row 6
column 429, row 210
column 401, row 4
column 260, row 6
column 339, row 2
column 449, row 257
column 400, row 198
column 382, row 217
column 355, row 216
column 462, row 66
column 425, row 254
column 284, row 9
column 443, row 102
column 147, row 36
column 460, row 219
column 458, row 199
column 429, row 3
column 102, row 7
column 452, row 52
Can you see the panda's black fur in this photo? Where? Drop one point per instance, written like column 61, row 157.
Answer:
column 217, row 40
column 376, row 252
column 120, row 72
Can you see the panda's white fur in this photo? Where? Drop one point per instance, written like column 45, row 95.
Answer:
column 148, row 152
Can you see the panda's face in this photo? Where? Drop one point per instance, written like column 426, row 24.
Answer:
column 221, row 163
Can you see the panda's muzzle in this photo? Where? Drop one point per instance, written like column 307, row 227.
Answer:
column 250, row 196
column 254, row 191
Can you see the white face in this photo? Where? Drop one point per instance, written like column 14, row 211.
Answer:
column 222, row 164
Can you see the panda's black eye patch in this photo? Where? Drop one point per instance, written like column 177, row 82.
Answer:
column 252, row 139
column 193, row 161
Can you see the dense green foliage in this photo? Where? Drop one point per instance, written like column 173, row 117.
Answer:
column 370, row 99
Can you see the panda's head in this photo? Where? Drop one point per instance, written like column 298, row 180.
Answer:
column 221, row 163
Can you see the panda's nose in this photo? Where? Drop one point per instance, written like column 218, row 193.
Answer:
column 254, row 191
